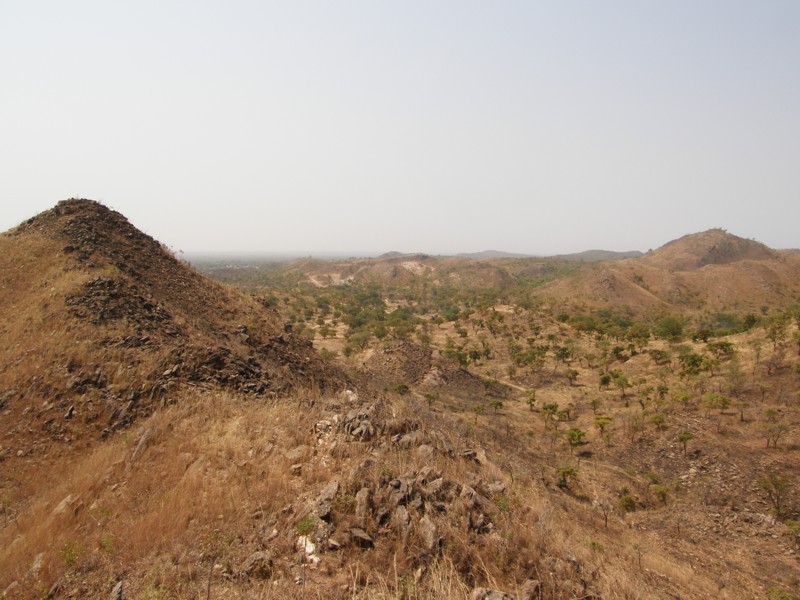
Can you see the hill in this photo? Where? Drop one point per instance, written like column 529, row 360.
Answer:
column 93, row 307
column 711, row 271
column 712, row 247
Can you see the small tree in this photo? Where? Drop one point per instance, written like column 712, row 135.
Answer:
column 605, row 380
column 575, row 437
column 626, row 502
column 777, row 487
column 684, row 438
column 683, row 397
column 601, row 422
column 531, row 394
column 572, row 375
column 741, row 405
column 478, row 410
column 605, row 508
column 565, row 473
column 549, row 411
column 621, row 382
column 714, row 400
column 774, row 431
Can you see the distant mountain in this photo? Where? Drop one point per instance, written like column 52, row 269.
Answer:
column 599, row 255
column 585, row 256
column 491, row 255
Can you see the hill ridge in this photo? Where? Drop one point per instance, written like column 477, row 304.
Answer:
column 711, row 247
column 97, row 293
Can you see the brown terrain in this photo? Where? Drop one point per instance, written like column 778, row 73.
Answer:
column 163, row 435
column 706, row 271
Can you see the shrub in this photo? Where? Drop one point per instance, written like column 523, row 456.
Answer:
column 306, row 526
column 627, row 503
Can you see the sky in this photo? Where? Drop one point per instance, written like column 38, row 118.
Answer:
column 360, row 127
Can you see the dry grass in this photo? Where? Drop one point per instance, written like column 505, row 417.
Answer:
column 212, row 462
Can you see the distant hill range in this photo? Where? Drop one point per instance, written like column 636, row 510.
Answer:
column 599, row 255
column 710, row 270
column 585, row 256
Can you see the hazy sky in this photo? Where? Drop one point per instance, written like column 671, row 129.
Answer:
column 435, row 126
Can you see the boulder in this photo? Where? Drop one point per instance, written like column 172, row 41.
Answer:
column 116, row 593
column 258, row 564
column 361, row 538
column 362, row 506
column 429, row 534
column 322, row 507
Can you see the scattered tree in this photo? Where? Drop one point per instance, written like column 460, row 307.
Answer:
column 575, row 437
column 777, row 488
column 684, row 438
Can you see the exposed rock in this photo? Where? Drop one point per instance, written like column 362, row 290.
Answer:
column 361, row 538
column 400, row 491
column 496, row 488
column 470, row 455
column 434, row 378
column 141, row 446
column 258, row 564
column 442, row 443
column 487, row 594
column 334, row 544
column 37, row 564
column 116, row 593
column 358, row 425
column 426, row 474
column 349, row 396
column 296, row 455
column 429, row 534
column 296, row 469
column 424, row 452
column 63, row 505
column 362, row 506
column 409, row 440
column 324, row 501
column 309, row 549
column 402, row 519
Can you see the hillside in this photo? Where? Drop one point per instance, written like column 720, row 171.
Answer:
column 701, row 273
column 100, row 325
column 457, row 436
column 85, row 293
column 712, row 247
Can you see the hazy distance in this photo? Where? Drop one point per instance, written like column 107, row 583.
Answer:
column 357, row 128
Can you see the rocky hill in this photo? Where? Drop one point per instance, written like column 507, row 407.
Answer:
column 712, row 247
column 709, row 271
column 96, row 309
